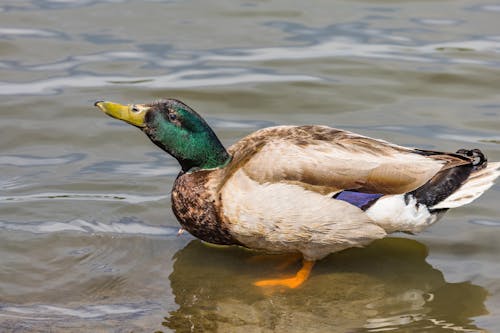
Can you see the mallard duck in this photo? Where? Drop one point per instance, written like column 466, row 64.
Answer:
column 312, row 190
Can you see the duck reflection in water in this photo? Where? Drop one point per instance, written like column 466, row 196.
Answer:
column 388, row 285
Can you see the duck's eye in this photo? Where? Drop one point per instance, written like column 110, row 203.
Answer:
column 172, row 116
column 135, row 109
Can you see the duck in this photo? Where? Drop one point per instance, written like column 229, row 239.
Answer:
column 308, row 190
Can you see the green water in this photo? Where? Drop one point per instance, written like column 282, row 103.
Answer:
column 88, row 242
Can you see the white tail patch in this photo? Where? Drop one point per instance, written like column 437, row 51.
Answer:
column 477, row 183
column 395, row 213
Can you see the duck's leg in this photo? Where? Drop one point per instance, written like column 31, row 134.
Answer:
column 287, row 260
column 292, row 282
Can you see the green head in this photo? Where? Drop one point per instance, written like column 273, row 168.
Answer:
column 176, row 128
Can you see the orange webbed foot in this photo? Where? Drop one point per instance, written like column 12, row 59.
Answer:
column 292, row 282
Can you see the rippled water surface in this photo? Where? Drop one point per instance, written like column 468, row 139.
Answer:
column 88, row 242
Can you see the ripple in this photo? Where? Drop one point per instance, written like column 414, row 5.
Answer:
column 74, row 61
column 441, row 132
column 32, row 160
column 350, row 47
column 495, row 141
column 13, row 183
column 130, row 198
column 55, row 4
column 339, row 47
column 105, row 311
column 177, row 80
column 196, row 68
column 486, row 8
column 136, row 169
column 469, row 138
column 240, row 124
column 486, row 223
column 438, row 22
column 126, row 226
column 105, row 39
column 393, row 322
column 17, row 32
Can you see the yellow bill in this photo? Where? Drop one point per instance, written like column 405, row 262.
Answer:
column 133, row 113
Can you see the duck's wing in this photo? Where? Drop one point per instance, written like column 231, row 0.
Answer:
column 328, row 160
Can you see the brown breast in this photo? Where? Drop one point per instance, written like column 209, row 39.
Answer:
column 195, row 207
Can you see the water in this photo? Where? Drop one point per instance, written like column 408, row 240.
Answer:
column 88, row 241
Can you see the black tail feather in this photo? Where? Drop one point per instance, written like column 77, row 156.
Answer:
column 441, row 186
column 445, row 182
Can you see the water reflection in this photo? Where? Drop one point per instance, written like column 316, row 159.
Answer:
column 387, row 286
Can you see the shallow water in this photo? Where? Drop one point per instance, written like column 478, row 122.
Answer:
column 88, row 241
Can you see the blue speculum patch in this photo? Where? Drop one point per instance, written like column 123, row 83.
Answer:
column 358, row 199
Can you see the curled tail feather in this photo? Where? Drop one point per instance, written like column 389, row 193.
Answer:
column 481, row 179
column 479, row 160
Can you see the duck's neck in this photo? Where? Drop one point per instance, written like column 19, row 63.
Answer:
column 206, row 152
column 198, row 150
